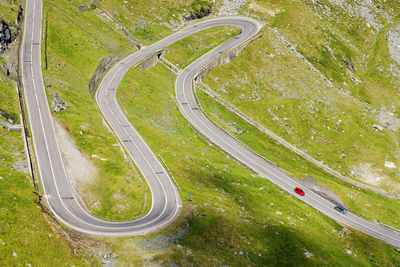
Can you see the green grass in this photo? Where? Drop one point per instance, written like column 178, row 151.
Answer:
column 9, row 97
column 185, row 51
column 362, row 202
column 150, row 22
column 72, row 60
column 282, row 93
column 241, row 214
column 24, row 228
column 217, row 232
column 9, row 10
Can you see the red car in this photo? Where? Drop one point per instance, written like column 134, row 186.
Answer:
column 299, row 191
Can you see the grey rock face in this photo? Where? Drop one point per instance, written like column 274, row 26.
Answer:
column 7, row 116
column 5, row 36
column 104, row 65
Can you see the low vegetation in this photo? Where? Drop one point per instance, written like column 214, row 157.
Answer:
column 27, row 235
column 118, row 192
column 231, row 216
column 326, row 93
column 151, row 23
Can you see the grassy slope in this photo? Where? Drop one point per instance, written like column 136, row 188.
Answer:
column 300, row 106
column 235, row 218
column 72, row 59
column 207, row 244
column 185, row 51
column 9, row 10
column 150, row 22
column 9, row 97
column 363, row 202
column 23, row 227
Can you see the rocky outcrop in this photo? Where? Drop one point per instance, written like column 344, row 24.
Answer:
column 7, row 116
column 104, row 65
column 58, row 105
column 5, row 36
column 203, row 12
column 20, row 15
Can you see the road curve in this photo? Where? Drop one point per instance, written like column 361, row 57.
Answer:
column 60, row 195
column 189, row 107
column 166, row 203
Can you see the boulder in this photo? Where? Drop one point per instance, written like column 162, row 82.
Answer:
column 58, row 105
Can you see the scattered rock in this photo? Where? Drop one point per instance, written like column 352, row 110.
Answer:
column 203, row 12
column 7, row 116
column 118, row 195
column 83, row 7
column 377, row 127
column 109, row 259
column 98, row 157
column 348, row 64
column 343, row 232
column 58, row 105
column 231, row 7
column 307, row 253
column 94, row 204
column 390, row 165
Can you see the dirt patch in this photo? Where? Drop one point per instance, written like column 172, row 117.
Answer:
column 79, row 168
column 366, row 173
column 321, row 190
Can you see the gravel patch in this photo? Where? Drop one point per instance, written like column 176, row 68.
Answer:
column 79, row 168
column 367, row 174
column 321, row 190
column 393, row 37
column 387, row 119
column 231, row 7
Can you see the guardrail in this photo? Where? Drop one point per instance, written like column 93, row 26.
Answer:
column 169, row 172
column 390, row 227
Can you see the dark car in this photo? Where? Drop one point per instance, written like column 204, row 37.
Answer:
column 341, row 209
column 299, row 191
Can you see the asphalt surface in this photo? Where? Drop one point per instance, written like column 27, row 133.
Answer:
column 166, row 203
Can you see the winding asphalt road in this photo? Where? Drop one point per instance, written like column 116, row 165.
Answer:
column 166, row 203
